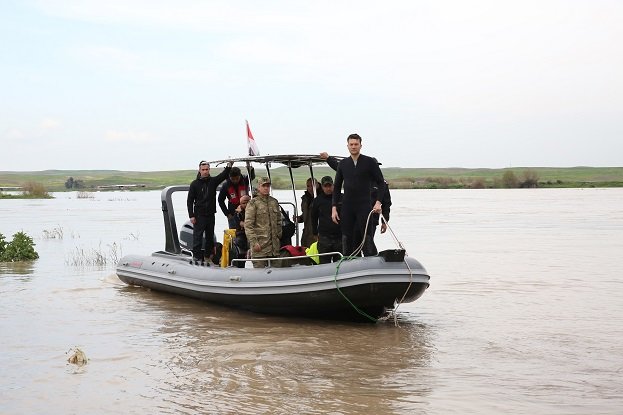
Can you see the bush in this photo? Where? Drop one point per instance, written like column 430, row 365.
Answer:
column 478, row 183
column 509, row 180
column 530, row 179
column 21, row 248
column 36, row 190
column 3, row 244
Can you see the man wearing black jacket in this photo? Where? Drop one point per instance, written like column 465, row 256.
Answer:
column 358, row 173
column 327, row 233
column 386, row 203
column 201, row 204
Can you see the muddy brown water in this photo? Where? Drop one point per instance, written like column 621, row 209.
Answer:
column 524, row 315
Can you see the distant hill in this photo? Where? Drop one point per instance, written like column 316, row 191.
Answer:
column 409, row 178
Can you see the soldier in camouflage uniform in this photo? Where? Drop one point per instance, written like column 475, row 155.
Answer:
column 262, row 224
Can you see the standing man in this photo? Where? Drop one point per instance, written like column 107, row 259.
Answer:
column 201, row 204
column 327, row 233
column 358, row 173
column 262, row 224
column 386, row 203
column 233, row 189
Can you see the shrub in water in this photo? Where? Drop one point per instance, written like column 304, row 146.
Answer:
column 35, row 190
column 21, row 248
column 3, row 245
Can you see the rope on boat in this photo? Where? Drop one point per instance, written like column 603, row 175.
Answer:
column 355, row 254
column 393, row 312
column 357, row 309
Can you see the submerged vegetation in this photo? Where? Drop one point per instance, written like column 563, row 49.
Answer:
column 95, row 257
column 55, row 233
column 21, row 248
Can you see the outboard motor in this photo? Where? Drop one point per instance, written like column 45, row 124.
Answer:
column 186, row 237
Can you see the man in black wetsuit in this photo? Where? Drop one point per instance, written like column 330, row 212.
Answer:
column 386, row 203
column 358, row 173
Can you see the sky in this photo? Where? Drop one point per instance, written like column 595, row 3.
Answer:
column 146, row 85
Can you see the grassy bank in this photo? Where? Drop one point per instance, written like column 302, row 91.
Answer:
column 405, row 178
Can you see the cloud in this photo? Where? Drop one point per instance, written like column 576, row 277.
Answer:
column 41, row 130
column 136, row 64
column 405, row 49
column 13, row 134
column 129, row 137
column 439, row 69
column 189, row 15
column 49, row 124
column 110, row 57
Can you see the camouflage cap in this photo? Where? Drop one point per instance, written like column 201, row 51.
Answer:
column 263, row 180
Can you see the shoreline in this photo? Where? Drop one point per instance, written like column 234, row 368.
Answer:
column 397, row 178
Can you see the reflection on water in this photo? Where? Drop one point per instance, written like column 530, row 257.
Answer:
column 269, row 362
column 523, row 316
column 16, row 268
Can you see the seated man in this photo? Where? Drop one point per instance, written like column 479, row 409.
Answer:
column 241, row 242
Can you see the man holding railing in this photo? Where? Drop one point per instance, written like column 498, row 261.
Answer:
column 201, row 204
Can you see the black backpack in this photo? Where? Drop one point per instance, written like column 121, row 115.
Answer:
column 288, row 228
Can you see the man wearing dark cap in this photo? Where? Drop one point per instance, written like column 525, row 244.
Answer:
column 262, row 224
column 327, row 233
column 233, row 189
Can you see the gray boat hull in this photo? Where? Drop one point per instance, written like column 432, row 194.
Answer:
column 359, row 289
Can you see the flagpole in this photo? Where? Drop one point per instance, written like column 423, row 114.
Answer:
column 253, row 151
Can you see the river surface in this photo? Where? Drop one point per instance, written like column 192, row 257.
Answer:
column 524, row 315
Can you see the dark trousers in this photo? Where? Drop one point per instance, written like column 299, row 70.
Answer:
column 232, row 222
column 241, row 247
column 369, row 247
column 353, row 223
column 203, row 230
column 329, row 244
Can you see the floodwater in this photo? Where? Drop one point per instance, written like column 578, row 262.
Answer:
column 524, row 316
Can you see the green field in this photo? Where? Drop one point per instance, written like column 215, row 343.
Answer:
column 406, row 178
